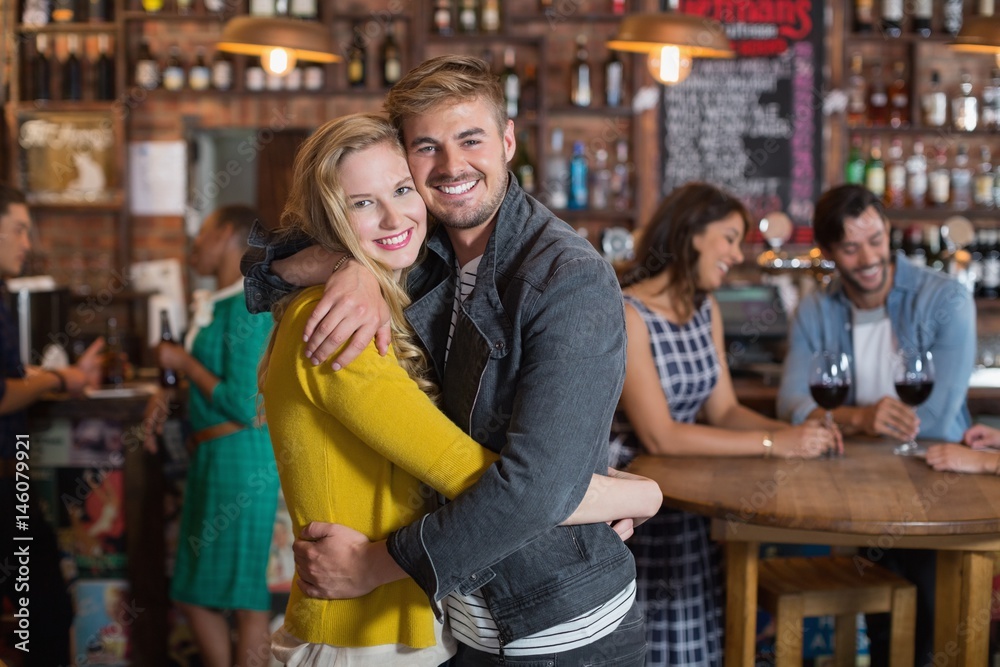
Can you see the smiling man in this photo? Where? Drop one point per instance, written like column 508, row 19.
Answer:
column 878, row 304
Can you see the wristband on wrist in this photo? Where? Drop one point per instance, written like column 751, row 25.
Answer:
column 62, row 380
column 340, row 262
column 768, row 443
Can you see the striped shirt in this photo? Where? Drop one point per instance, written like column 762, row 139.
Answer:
column 470, row 618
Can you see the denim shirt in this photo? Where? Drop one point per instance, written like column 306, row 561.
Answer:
column 927, row 310
column 537, row 366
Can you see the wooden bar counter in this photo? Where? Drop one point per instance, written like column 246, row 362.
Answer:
column 870, row 499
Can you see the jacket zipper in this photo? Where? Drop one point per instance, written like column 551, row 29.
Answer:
column 502, row 660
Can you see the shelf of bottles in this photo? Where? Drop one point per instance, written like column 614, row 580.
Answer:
column 975, row 264
column 922, row 122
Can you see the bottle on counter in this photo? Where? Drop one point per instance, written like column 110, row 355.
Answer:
column 892, row 18
column 356, row 59
column 913, row 246
column 254, row 77
column 990, row 112
column 313, row 77
column 443, row 21
column 114, row 354
column 854, row 172
column 200, row 76
column 40, row 70
column 529, row 88
column 147, row 69
column 391, row 57
column 878, row 98
column 989, row 285
column 895, row 175
column 961, row 180
column 899, row 96
column 953, row 16
column 468, row 16
column 875, row 169
column 580, row 74
column 986, row 7
column 916, row 176
column 923, row 14
column 304, row 9
column 522, row 165
column 935, row 103
column 168, row 376
column 510, row 83
column 857, row 93
column 621, row 177
column 174, row 76
column 864, row 15
column 222, row 70
column 614, row 80
column 99, row 11
column 939, row 179
column 72, row 70
column 600, row 188
column 982, row 190
column 104, row 71
column 579, row 178
column 965, row 106
column 556, row 187
column 262, row 8
column 489, row 16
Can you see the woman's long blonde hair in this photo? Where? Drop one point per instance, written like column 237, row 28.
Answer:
column 318, row 207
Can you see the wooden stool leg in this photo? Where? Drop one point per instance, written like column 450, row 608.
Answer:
column 845, row 652
column 788, row 632
column 903, row 626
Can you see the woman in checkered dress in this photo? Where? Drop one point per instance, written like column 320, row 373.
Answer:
column 675, row 372
column 231, row 494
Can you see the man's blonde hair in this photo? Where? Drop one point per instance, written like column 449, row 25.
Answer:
column 450, row 78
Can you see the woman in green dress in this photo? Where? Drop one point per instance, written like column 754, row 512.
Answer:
column 232, row 485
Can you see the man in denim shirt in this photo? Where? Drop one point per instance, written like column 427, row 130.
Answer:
column 879, row 303
column 532, row 321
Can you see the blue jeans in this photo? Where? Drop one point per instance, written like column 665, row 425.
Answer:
column 625, row 647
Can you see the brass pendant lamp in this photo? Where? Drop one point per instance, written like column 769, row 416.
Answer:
column 279, row 42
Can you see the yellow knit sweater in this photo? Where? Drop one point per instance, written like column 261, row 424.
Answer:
column 352, row 448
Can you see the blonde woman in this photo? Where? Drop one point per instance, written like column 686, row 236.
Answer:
column 353, row 446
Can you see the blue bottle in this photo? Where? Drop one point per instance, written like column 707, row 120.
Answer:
column 579, row 193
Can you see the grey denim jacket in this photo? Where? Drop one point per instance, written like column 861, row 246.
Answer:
column 535, row 370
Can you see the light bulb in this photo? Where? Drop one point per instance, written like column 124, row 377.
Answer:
column 670, row 65
column 277, row 61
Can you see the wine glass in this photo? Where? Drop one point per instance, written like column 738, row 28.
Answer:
column 913, row 373
column 829, row 381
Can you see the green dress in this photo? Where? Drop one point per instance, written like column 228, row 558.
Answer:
column 232, row 486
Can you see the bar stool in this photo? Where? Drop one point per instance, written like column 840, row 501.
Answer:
column 794, row 588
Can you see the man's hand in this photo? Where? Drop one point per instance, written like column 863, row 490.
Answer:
column 86, row 372
column 808, row 440
column 890, row 417
column 172, row 356
column 351, row 308
column 335, row 562
column 981, row 436
column 960, row 458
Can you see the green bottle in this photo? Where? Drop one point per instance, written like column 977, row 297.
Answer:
column 854, row 171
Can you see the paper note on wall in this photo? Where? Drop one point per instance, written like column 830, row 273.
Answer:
column 157, row 177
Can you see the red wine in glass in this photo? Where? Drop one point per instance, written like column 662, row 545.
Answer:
column 829, row 381
column 829, row 396
column 913, row 376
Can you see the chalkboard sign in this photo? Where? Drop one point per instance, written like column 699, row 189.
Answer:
column 753, row 124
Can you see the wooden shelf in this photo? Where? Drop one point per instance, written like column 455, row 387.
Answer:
column 916, row 130
column 598, row 111
column 61, row 105
column 107, row 27
column 569, row 17
column 479, row 38
column 114, row 204
column 906, row 38
column 940, row 214
column 592, row 215
column 137, row 15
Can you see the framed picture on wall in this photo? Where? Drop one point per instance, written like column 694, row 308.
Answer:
column 69, row 157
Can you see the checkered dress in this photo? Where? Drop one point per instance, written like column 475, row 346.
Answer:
column 678, row 567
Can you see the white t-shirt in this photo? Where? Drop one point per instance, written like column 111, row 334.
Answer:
column 874, row 350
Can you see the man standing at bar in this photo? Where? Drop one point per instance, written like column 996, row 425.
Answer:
column 878, row 304
column 49, row 608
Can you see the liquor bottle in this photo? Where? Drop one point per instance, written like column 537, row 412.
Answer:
column 489, row 16
column 913, row 246
column 614, row 80
column 990, row 113
column 878, row 99
column 99, row 11
column 443, row 22
column 114, row 354
column 580, row 74
column 556, row 174
column 215, row 6
column 923, row 13
column 961, row 180
column 936, row 256
column 864, row 19
column 953, row 16
column 899, row 97
column 72, row 70
column 273, row 81
column 529, row 89
column 304, row 9
column 262, row 8
column 147, row 69
column 222, row 70
column 64, row 11
column 892, row 18
column 579, row 178
column 983, row 183
column 41, row 72
column 391, row 57
column 104, row 71
column 854, row 171
column 965, row 106
column 857, row 93
column 468, row 21
column 875, row 169
column 939, row 179
column 510, row 82
column 522, row 164
column 621, row 186
column 935, row 103
column 895, row 175
column 356, row 59
column 618, row 7
column 184, row 6
column 255, row 78
column 281, row 8
column 168, row 376
column 313, row 77
column 173, row 71
column 990, row 283
column 916, row 172
column 986, row 7
column 152, row 6
column 600, row 189
column 199, row 76
column 293, row 80
column 976, row 261
column 35, row 13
